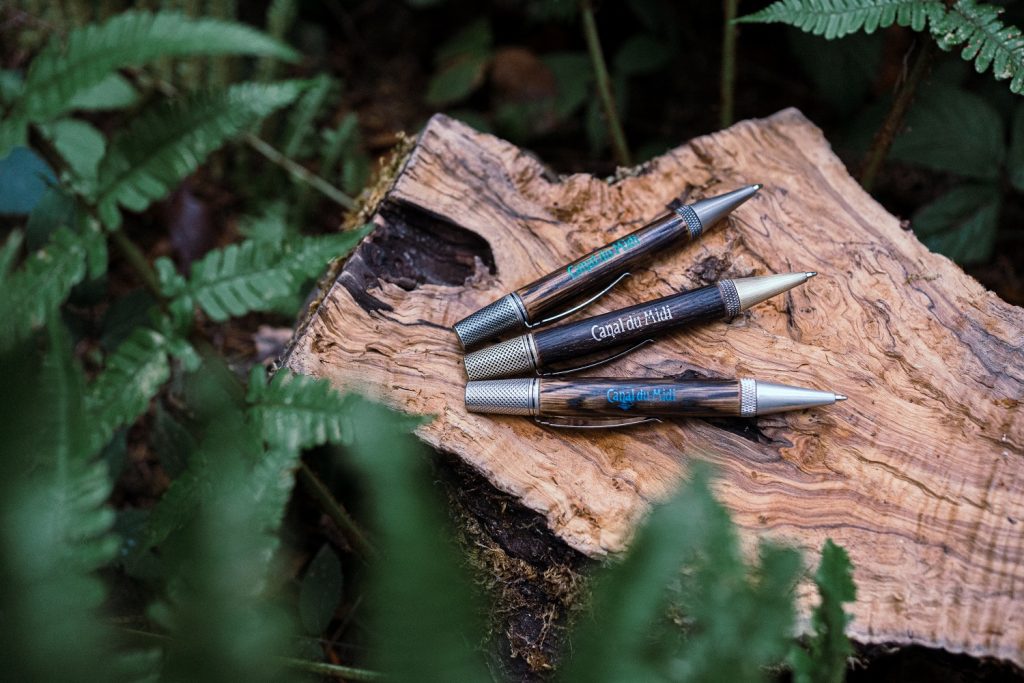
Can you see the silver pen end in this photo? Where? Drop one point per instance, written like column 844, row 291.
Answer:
column 754, row 290
column 810, row 274
column 713, row 209
column 490, row 322
column 519, row 396
column 507, row 359
column 778, row 398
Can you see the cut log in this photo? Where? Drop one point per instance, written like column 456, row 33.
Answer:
column 919, row 475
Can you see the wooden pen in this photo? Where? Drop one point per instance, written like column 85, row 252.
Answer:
column 617, row 402
column 535, row 351
column 529, row 305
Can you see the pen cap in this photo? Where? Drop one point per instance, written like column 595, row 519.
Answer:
column 519, row 396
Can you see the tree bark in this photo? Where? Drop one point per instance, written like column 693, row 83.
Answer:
column 920, row 474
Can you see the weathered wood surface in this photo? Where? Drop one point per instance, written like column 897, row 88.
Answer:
column 920, row 474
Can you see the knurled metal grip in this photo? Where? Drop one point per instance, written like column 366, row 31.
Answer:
column 748, row 397
column 520, row 396
column 511, row 357
column 692, row 221
column 491, row 321
column 731, row 298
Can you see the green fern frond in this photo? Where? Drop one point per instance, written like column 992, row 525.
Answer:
column 253, row 276
column 987, row 41
column 134, row 374
column 41, row 284
column 296, row 411
column 837, row 18
column 240, row 278
column 54, row 525
column 170, row 141
column 91, row 53
column 302, row 117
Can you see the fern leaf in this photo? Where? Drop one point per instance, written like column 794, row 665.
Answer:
column 171, row 140
column 220, row 560
column 41, row 284
column 54, row 525
column 296, row 411
column 986, row 40
column 837, row 18
column 134, row 374
column 828, row 645
column 60, row 72
column 253, row 276
column 303, row 115
column 238, row 279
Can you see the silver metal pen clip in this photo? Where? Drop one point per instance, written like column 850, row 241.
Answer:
column 580, row 306
column 596, row 363
column 592, row 422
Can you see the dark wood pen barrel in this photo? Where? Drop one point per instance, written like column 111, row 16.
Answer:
column 607, row 330
column 600, row 265
column 599, row 397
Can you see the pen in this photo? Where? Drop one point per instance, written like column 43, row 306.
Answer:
column 524, row 308
column 536, row 350
column 615, row 402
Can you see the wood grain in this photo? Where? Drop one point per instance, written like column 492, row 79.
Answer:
column 920, row 474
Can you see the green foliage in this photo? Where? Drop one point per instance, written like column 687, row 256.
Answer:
column 955, row 131
column 986, row 40
column 320, row 591
column 219, row 615
column 837, row 18
column 736, row 619
column 41, row 284
column 133, row 375
column 170, row 141
column 461, row 63
column 961, row 223
column 54, row 527
column 65, row 70
column 253, row 275
column 296, row 411
column 824, row 661
column 422, row 604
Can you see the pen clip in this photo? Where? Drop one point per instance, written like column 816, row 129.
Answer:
column 592, row 422
column 596, row 363
column 580, row 306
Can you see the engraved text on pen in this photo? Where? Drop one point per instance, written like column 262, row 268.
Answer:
column 634, row 321
column 594, row 260
column 625, row 398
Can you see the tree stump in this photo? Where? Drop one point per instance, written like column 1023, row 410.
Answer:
column 919, row 475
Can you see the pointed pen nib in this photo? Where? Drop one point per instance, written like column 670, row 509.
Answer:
column 779, row 398
column 754, row 290
column 713, row 209
column 810, row 274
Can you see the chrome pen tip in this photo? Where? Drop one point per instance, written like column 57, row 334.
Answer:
column 810, row 274
column 753, row 290
column 710, row 210
column 757, row 186
column 840, row 397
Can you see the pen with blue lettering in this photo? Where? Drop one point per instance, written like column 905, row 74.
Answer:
column 526, row 307
column 536, row 350
column 617, row 402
